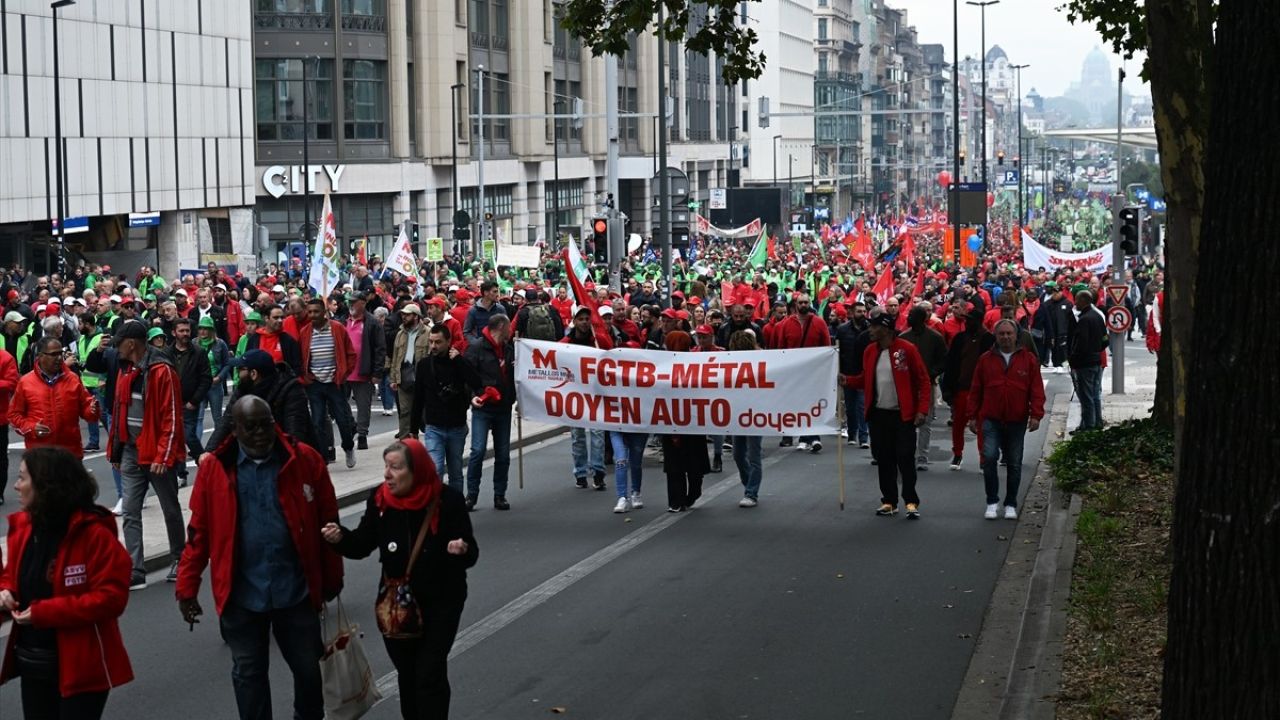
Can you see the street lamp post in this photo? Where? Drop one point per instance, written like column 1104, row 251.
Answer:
column 1018, row 69
column 983, row 4
column 555, row 163
column 727, row 179
column 955, row 124
column 57, row 141
column 776, row 138
column 453, row 115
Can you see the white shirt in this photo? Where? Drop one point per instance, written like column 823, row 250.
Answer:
column 886, row 390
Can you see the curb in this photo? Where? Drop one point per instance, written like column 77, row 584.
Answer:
column 160, row 560
column 1016, row 667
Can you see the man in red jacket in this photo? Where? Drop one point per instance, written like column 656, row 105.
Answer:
column 147, row 442
column 804, row 329
column 259, row 502
column 50, row 401
column 8, row 383
column 327, row 359
column 1007, row 398
column 898, row 391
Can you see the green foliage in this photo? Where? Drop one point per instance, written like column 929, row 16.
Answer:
column 1118, row 451
column 1121, row 23
column 1145, row 173
column 610, row 26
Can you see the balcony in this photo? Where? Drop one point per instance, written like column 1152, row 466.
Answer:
column 364, row 23
column 499, row 42
column 479, row 39
column 833, row 76
column 840, row 46
column 304, row 22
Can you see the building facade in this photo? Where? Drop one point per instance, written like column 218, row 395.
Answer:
column 157, row 128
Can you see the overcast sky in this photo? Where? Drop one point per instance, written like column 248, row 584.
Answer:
column 1029, row 31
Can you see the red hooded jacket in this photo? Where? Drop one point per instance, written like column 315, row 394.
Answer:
column 161, row 439
column 910, row 377
column 1011, row 394
column 8, row 383
column 60, row 406
column 307, row 502
column 90, row 590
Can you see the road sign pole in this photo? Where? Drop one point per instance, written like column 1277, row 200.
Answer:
column 1117, row 278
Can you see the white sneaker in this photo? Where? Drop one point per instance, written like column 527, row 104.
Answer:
column 637, row 502
column 388, row 413
column 747, row 502
column 802, row 446
column 623, row 505
column 993, row 511
column 816, row 447
column 119, row 507
column 844, row 433
column 1010, row 512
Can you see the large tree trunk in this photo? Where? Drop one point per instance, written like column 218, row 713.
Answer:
column 1223, row 655
column 1180, row 43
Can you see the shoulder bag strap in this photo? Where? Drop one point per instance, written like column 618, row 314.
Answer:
column 422, row 537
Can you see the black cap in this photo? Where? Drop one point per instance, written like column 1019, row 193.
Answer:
column 259, row 360
column 883, row 319
column 130, row 330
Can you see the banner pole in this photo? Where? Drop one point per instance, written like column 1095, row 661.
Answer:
column 520, row 446
column 840, row 415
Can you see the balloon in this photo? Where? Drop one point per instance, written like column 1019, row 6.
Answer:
column 944, row 179
column 975, row 242
column 991, row 199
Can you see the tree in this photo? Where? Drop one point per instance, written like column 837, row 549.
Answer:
column 1177, row 36
column 606, row 26
column 1223, row 654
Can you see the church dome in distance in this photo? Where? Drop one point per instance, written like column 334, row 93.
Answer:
column 996, row 53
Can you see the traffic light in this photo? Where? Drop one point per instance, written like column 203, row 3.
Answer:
column 1129, row 229
column 961, row 158
column 413, row 233
column 1016, row 159
column 999, row 157
column 600, row 239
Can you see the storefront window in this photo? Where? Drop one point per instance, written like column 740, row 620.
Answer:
column 364, row 90
column 279, row 103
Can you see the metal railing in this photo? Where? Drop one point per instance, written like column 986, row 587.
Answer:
column 364, row 23
column 293, row 21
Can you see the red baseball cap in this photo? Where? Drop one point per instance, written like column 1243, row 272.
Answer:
column 705, row 330
column 669, row 313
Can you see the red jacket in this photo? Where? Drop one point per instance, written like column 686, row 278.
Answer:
column 564, row 307
column 344, row 355
column 457, row 338
column 1011, row 394
column 235, row 321
column 90, row 590
column 910, row 377
column 792, row 333
column 59, row 406
column 307, row 502
column 8, row 383
column 459, row 311
column 161, row 439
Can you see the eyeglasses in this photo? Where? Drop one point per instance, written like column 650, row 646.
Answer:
column 52, row 354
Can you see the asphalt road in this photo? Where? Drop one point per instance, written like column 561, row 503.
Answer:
column 794, row 609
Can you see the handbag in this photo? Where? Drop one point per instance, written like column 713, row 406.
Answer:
column 349, row 688
column 36, row 663
column 397, row 611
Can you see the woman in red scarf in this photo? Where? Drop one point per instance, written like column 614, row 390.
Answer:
column 412, row 495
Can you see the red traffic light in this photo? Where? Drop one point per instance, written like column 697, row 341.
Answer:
column 600, row 226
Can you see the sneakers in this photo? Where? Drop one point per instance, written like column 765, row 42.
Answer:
column 748, row 502
column 802, row 446
column 675, row 509
column 351, row 458
column 119, row 507
column 717, row 465
column 816, row 447
column 993, row 511
column 1010, row 512
column 624, row 504
column 887, row 510
column 580, row 482
column 598, row 480
column 331, row 456
column 844, row 432
column 913, row 511
column 362, row 442
column 388, row 413
column 500, row 503
column 922, row 467
column 637, row 502
column 172, row 577
column 137, row 581
column 470, row 502
column 786, row 442
column 852, row 442
column 726, row 445
column 92, row 448
column 864, row 445
column 955, row 462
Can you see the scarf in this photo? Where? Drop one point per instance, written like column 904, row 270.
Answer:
column 497, row 350
column 426, row 484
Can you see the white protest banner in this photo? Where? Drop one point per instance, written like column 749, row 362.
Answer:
column 760, row 392
column 401, row 258
column 524, row 256
column 1035, row 255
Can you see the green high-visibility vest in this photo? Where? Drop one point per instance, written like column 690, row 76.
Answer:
column 91, row 380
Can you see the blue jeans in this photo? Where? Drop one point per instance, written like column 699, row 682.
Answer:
column 329, row 397
column 746, row 455
column 387, row 395
column 1007, row 439
column 855, row 416
column 445, row 445
column 1089, row 388
column 297, row 632
column 194, row 447
column 717, row 445
column 483, row 422
column 213, row 400
column 588, row 451
column 628, row 460
column 92, row 427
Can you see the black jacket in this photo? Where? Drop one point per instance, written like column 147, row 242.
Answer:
column 289, row 406
column 438, row 577
column 489, row 371
column 1087, row 338
column 852, row 340
column 442, row 392
column 289, row 348
column 194, row 372
column 962, row 359
column 373, row 348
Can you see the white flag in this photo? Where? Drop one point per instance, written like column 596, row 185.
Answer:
column 402, row 259
column 324, row 256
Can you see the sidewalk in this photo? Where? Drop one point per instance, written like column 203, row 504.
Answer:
column 350, row 485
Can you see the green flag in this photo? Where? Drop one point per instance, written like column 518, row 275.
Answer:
column 759, row 254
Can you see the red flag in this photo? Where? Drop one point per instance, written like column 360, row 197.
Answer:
column 826, row 233
column 919, row 288
column 586, row 299
column 771, row 249
column 362, row 254
column 883, row 288
column 908, row 254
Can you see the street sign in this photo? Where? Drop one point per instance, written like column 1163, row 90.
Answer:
column 1117, row 293
column 719, row 199
column 1119, row 319
column 490, row 250
column 435, row 249
column 72, row 225
column 146, row 219
column 1010, row 178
